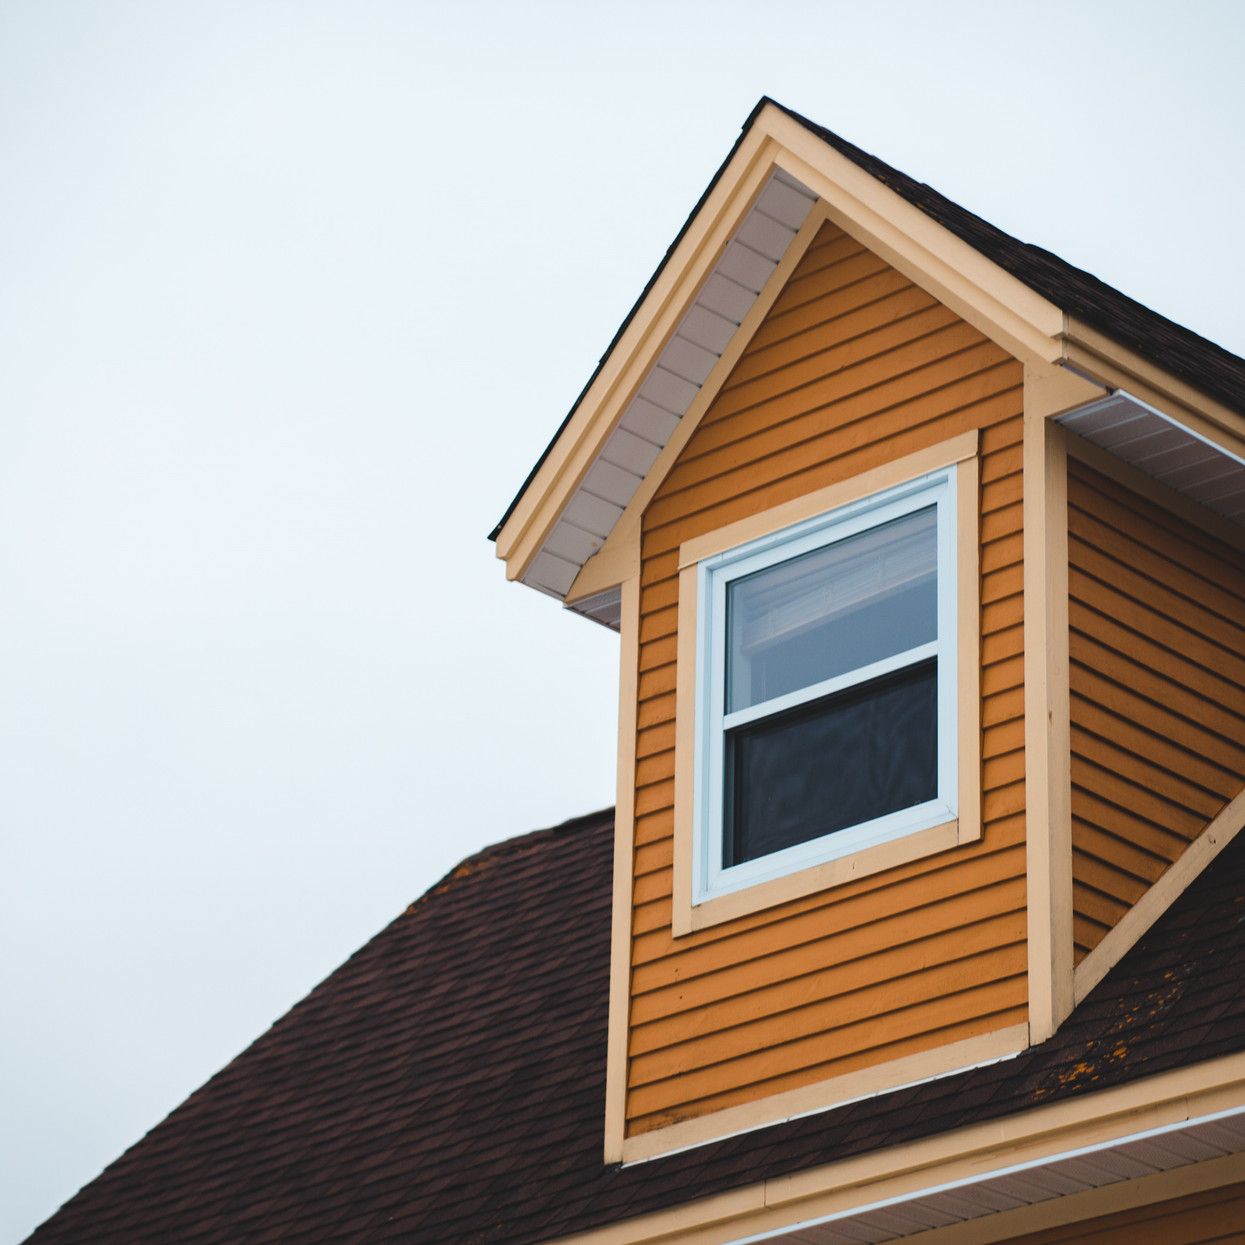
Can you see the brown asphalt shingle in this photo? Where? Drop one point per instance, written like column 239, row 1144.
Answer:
column 446, row 1083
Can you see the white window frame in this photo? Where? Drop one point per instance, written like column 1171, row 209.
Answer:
column 713, row 574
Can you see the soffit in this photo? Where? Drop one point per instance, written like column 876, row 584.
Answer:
column 650, row 419
column 1165, row 449
column 1026, row 1185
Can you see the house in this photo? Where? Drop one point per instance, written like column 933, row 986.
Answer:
column 921, row 914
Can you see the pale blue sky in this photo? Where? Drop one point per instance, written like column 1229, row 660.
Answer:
column 291, row 296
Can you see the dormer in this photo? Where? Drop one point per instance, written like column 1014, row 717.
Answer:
column 927, row 555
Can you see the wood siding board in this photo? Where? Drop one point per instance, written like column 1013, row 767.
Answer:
column 1177, row 798
column 808, row 342
column 1165, row 591
column 988, row 1021
column 753, row 497
column 1123, row 853
column 1101, row 641
column 862, row 405
column 1157, row 633
column 1176, row 712
column 880, row 401
column 1169, row 534
column 1155, row 674
column 796, row 315
column 819, row 916
column 676, row 1015
column 1177, row 754
column 678, row 1051
column 1110, row 803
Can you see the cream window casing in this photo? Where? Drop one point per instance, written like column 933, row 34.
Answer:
column 708, row 890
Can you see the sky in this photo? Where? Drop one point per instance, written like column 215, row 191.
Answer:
column 291, row 298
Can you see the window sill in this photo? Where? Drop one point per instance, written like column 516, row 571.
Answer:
column 688, row 917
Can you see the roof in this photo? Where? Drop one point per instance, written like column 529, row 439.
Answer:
column 446, row 1084
column 1199, row 362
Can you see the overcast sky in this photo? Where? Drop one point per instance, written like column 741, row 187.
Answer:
column 291, row 297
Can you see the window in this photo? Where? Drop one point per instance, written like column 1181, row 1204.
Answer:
column 826, row 687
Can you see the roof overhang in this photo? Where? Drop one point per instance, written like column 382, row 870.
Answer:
column 572, row 530
column 1208, row 469
column 1026, row 1188
column 1102, row 1150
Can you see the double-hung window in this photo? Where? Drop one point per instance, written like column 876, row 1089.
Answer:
column 826, row 687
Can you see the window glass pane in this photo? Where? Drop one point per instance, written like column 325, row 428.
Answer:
column 837, row 762
column 832, row 610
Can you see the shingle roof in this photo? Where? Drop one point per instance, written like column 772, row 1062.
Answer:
column 446, row 1083
column 1208, row 367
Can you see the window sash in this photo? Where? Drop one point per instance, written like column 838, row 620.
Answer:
column 710, row 877
column 839, row 683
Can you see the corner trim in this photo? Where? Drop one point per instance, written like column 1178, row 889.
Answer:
column 624, row 871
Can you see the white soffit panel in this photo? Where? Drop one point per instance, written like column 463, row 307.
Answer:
column 1155, row 443
column 1030, row 1184
column 654, row 413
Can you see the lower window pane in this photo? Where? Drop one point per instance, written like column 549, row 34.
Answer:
column 834, row 763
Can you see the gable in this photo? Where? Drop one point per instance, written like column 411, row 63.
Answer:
column 1035, row 305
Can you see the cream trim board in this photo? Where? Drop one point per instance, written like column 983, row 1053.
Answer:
column 1173, row 883
column 628, row 363
column 977, row 288
column 960, row 451
column 1095, row 1119
column 838, row 1091
column 1093, row 354
column 624, row 872
column 688, row 917
column 604, row 568
column 1048, row 780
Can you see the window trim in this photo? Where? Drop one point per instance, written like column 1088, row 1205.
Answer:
column 697, row 906
column 710, row 878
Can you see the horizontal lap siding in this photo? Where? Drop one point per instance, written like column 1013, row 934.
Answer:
column 853, row 367
column 1157, row 642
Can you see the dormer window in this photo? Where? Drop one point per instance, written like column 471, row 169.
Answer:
column 828, row 697
column 826, row 705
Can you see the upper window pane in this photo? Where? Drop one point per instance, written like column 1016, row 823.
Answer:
column 832, row 610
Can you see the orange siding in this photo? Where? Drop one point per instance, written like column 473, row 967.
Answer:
column 1201, row 1218
column 854, row 366
column 1157, row 641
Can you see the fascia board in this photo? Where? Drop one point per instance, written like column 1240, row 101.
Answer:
column 977, row 289
column 1095, row 355
column 636, row 350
